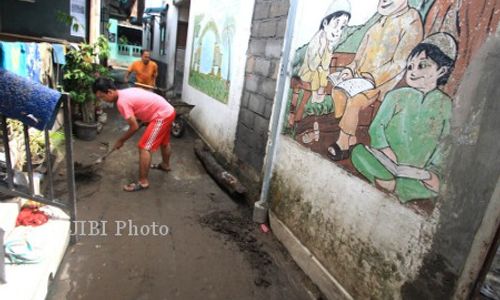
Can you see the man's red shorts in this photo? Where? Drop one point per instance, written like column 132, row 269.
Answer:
column 157, row 133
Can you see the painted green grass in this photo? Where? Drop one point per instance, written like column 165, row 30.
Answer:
column 210, row 85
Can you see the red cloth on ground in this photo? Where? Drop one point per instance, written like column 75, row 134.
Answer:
column 31, row 216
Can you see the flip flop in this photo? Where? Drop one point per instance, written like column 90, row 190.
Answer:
column 135, row 187
column 159, row 167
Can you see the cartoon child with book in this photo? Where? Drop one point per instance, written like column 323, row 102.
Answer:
column 312, row 75
column 377, row 68
column 405, row 154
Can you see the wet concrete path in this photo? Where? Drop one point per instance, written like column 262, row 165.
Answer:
column 212, row 249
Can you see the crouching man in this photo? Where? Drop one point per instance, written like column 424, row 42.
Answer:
column 137, row 104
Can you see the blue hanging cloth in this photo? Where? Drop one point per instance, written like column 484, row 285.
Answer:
column 59, row 54
column 13, row 58
column 27, row 101
column 33, row 61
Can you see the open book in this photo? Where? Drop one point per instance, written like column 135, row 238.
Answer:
column 399, row 170
column 352, row 86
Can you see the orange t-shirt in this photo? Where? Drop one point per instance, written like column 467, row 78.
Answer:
column 144, row 74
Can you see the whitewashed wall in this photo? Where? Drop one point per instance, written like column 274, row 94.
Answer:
column 216, row 121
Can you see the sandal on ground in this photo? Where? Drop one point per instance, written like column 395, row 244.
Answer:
column 159, row 167
column 134, row 187
column 337, row 154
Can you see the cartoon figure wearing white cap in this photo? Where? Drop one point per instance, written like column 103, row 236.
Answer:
column 380, row 60
column 405, row 153
column 315, row 68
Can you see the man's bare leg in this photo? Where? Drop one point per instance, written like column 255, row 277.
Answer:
column 165, row 155
column 144, row 164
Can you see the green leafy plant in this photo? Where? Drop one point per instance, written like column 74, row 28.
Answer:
column 103, row 48
column 69, row 20
column 37, row 142
column 80, row 71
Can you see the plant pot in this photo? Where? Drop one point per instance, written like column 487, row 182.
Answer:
column 85, row 131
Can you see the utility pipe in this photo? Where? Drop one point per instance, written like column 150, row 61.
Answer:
column 261, row 207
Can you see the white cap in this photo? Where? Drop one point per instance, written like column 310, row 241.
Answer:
column 338, row 5
column 445, row 42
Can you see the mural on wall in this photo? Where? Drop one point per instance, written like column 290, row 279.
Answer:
column 374, row 93
column 210, row 67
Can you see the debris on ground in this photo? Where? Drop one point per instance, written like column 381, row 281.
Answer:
column 85, row 173
column 264, row 228
column 241, row 231
column 225, row 179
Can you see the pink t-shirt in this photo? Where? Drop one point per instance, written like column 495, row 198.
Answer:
column 143, row 105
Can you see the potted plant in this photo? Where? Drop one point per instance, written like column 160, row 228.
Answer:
column 80, row 71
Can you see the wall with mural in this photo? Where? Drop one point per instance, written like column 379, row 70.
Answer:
column 372, row 89
column 218, row 37
column 371, row 93
column 213, row 36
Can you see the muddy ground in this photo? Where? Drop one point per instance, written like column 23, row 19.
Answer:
column 212, row 249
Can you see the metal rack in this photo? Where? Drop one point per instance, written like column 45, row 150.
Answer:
column 8, row 186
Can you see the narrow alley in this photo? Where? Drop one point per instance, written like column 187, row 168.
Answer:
column 212, row 250
column 334, row 149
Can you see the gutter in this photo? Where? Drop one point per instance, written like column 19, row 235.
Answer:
column 261, row 207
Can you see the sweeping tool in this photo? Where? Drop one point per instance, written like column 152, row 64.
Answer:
column 101, row 159
column 85, row 172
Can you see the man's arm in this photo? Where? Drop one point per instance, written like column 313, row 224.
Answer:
column 129, row 71
column 155, row 74
column 133, row 127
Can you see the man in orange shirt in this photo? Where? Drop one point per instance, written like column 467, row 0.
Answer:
column 145, row 70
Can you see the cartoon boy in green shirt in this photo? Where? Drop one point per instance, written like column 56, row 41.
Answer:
column 405, row 155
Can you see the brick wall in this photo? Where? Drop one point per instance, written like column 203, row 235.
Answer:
column 264, row 54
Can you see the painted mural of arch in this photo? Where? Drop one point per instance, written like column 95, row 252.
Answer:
column 210, row 56
column 211, row 27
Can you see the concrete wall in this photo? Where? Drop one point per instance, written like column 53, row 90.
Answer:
column 216, row 119
column 262, row 68
column 369, row 241
column 172, row 19
column 364, row 238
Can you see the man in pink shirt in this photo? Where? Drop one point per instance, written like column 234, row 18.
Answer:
column 137, row 104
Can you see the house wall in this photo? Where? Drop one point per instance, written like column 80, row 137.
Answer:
column 36, row 19
column 217, row 40
column 171, row 44
column 375, row 242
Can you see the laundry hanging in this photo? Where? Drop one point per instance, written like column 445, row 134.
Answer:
column 13, row 58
